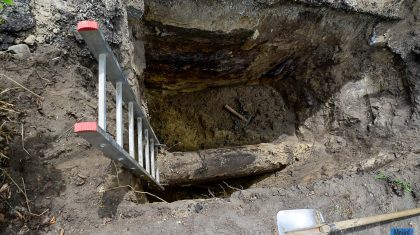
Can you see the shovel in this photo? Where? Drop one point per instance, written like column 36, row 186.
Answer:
column 310, row 221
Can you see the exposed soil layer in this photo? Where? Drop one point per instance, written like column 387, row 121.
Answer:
column 199, row 120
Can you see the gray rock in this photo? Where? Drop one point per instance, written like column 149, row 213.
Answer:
column 30, row 40
column 17, row 17
column 134, row 13
column 6, row 40
column 18, row 41
column 21, row 51
column 40, row 39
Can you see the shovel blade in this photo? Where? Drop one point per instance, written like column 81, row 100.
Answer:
column 292, row 220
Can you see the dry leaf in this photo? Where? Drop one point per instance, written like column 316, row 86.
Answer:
column 19, row 215
column 62, row 231
column 5, row 189
column 82, row 176
column 52, row 221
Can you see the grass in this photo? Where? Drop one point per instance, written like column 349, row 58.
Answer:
column 8, row 117
column 4, row 3
column 406, row 186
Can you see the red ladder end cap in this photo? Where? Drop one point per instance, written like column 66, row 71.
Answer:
column 87, row 25
column 85, row 127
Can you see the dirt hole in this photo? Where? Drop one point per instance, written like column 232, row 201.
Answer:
column 199, row 120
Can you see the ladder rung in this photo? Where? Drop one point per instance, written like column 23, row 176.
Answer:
column 147, row 150
column 140, row 141
column 152, row 158
column 102, row 92
column 119, row 113
column 131, row 142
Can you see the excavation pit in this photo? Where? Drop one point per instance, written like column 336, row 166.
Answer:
column 296, row 76
column 199, row 120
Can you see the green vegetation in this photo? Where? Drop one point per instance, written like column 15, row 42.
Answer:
column 381, row 176
column 404, row 185
column 4, row 3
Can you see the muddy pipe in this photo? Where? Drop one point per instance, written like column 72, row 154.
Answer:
column 184, row 168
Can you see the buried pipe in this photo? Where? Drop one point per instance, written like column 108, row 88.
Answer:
column 183, row 168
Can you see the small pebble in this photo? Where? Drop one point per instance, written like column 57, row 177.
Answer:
column 30, row 40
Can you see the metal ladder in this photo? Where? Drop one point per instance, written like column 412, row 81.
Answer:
column 140, row 158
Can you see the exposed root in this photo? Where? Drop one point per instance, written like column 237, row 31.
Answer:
column 38, row 215
column 19, row 188
column 8, row 89
column 231, row 187
column 3, row 156
column 68, row 131
column 116, row 173
column 23, row 142
column 26, row 197
column 8, row 113
column 17, row 83
column 136, row 191
column 45, row 79
column 131, row 187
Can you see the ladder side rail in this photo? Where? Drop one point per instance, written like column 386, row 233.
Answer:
column 98, row 45
column 109, row 69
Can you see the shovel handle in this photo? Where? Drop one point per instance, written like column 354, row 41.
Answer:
column 346, row 224
column 353, row 223
column 317, row 229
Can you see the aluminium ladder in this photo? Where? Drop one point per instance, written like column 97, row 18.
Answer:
column 95, row 132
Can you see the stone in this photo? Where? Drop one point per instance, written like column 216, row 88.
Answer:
column 30, row 40
column 21, row 51
column 134, row 12
column 378, row 40
column 198, row 207
column 17, row 18
column 6, row 40
column 40, row 39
